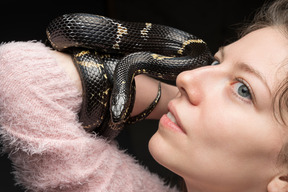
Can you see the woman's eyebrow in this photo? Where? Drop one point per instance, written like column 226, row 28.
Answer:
column 248, row 68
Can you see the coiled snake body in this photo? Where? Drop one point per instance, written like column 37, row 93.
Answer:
column 110, row 53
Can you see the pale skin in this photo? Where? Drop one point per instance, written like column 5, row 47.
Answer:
column 220, row 133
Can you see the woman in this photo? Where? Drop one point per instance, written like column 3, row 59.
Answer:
column 225, row 127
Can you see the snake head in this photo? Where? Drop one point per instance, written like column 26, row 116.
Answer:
column 117, row 108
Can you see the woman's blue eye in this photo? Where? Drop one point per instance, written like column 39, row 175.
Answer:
column 242, row 90
column 215, row 62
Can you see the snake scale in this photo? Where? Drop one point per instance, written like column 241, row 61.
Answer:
column 109, row 53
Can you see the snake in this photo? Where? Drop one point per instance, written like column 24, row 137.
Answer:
column 109, row 53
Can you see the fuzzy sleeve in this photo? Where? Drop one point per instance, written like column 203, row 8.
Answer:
column 39, row 130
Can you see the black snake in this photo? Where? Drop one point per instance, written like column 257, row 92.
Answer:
column 110, row 53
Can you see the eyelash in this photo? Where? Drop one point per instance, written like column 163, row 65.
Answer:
column 245, row 83
column 241, row 80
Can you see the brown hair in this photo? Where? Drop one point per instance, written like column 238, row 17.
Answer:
column 270, row 14
column 275, row 14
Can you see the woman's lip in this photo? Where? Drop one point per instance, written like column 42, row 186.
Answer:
column 166, row 122
column 178, row 124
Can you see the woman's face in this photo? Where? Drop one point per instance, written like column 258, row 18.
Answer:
column 220, row 133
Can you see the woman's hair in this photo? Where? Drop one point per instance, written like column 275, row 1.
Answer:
column 270, row 14
column 275, row 14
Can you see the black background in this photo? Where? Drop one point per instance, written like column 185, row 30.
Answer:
column 215, row 21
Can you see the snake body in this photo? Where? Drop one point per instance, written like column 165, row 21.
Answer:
column 134, row 48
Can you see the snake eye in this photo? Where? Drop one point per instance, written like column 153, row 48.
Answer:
column 215, row 62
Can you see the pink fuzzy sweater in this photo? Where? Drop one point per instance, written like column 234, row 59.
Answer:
column 47, row 145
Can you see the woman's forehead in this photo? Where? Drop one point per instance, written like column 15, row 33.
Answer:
column 265, row 50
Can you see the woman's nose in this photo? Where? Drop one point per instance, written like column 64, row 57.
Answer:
column 193, row 83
